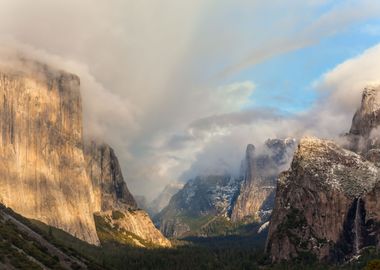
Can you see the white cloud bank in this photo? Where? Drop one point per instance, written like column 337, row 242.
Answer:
column 149, row 72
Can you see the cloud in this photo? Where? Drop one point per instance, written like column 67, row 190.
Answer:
column 148, row 72
column 344, row 84
column 233, row 96
column 330, row 117
column 335, row 19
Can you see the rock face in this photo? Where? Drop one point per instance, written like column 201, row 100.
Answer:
column 42, row 171
column 46, row 172
column 201, row 200
column 364, row 135
column 103, row 168
column 256, row 195
column 115, row 206
column 225, row 201
column 132, row 226
column 367, row 116
column 328, row 203
column 330, row 179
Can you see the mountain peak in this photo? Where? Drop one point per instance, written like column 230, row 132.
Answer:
column 367, row 116
column 334, row 167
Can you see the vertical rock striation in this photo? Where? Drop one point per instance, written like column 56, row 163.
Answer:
column 42, row 165
column 46, row 172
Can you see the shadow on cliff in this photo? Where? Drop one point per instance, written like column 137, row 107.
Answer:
column 358, row 233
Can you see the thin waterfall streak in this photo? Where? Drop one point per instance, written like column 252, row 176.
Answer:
column 357, row 226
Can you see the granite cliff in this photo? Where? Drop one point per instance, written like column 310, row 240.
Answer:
column 327, row 204
column 42, row 171
column 109, row 187
column 47, row 171
column 116, row 211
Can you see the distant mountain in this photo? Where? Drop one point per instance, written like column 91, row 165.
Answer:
column 162, row 200
column 328, row 203
column 201, row 202
column 142, row 202
column 212, row 205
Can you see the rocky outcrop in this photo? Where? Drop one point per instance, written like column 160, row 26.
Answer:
column 42, row 165
column 115, row 207
column 328, row 203
column 320, row 201
column 109, row 187
column 131, row 226
column 256, row 196
column 364, row 135
column 367, row 117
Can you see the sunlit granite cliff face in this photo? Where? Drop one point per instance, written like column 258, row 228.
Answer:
column 328, row 203
column 116, row 210
column 42, row 165
column 46, row 172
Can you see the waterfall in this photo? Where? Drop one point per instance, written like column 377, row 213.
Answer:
column 357, row 227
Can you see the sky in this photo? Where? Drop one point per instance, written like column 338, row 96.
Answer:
column 179, row 88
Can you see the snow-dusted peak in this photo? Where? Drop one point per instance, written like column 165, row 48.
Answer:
column 328, row 164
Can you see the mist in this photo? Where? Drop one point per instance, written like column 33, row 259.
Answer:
column 159, row 79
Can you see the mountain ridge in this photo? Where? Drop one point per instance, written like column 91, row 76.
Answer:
column 228, row 202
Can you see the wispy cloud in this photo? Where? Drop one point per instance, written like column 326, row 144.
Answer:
column 148, row 71
column 335, row 19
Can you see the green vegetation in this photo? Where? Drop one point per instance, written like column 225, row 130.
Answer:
column 17, row 249
column 373, row 265
column 224, row 253
column 117, row 214
column 294, row 220
column 195, row 222
column 107, row 233
column 214, row 226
